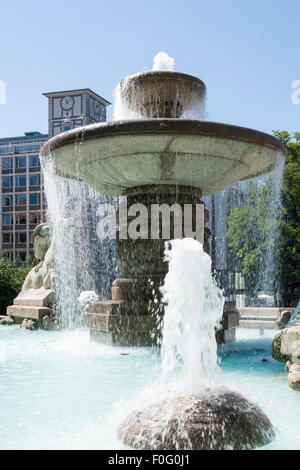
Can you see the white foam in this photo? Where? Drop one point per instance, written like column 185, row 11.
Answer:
column 163, row 62
column 194, row 309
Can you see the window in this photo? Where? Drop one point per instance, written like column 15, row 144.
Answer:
column 6, row 149
column 7, row 219
column 21, row 162
column 34, row 161
column 7, row 238
column 7, row 163
column 20, row 181
column 21, row 237
column 21, row 219
column 35, row 180
column 35, row 199
column 22, row 256
column 21, row 199
column 7, row 182
column 34, row 219
column 7, row 201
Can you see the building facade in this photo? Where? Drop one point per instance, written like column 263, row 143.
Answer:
column 23, row 203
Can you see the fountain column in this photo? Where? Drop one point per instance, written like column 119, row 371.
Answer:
column 136, row 294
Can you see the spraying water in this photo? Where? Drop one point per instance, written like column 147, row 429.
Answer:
column 163, row 62
column 194, row 307
column 82, row 263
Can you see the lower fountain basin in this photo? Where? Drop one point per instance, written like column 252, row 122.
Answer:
column 60, row 391
column 115, row 156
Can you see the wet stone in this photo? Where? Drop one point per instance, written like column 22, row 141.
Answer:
column 225, row 421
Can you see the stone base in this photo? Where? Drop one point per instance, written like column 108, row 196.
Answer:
column 32, row 304
column 226, row 421
column 122, row 339
column 35, row 298
column 230, row 321
column 261, row 317
column 19, row 312
column 115, row 322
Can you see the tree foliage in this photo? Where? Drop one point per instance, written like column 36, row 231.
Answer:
column 264, row 236
column 12, row 277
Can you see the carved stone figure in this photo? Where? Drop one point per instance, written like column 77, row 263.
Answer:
column 35, row 300
column 42, row 275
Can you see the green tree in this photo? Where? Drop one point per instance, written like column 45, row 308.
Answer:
column 264, row 237
column 12, row 277
column 253, row 237
column 289, row 248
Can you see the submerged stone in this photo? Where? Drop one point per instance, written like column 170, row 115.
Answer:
column 29, row 324
column 6, row 320
column 294, row 377
column 225, row 421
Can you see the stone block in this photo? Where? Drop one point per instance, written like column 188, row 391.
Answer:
column 19, row 312
column 35, row 298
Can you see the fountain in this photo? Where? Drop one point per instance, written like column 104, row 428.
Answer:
column 190, row 407
column 160, row 158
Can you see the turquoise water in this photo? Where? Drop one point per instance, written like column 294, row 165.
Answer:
column 59, row 391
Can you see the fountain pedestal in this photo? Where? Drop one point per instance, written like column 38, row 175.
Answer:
column 133, row 316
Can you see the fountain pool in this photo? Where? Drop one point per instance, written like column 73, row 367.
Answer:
column 60, row 391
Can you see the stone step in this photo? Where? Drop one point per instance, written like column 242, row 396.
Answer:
column 26, row 311
column 259, row 318
column 118, row 323
column 35, row 298
column 267, row 324
column 262, row 312
column 108, row 307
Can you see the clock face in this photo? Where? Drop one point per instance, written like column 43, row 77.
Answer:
column 67, row 103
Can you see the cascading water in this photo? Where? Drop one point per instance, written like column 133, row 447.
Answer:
column 194, row 411
column 82, row 263
column 194, row 308
column 163, row 63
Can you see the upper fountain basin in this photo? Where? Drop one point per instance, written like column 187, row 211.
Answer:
column 112, row 157
column 158, row 94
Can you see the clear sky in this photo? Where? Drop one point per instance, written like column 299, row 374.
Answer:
column 246, row 51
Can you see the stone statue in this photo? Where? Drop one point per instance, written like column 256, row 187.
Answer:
column 33, row 306
column 42, row 275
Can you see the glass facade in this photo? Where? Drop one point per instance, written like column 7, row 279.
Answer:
column 7, row 182
column 34, row 161
column 7, row 219
column 35, row 180
column 7, row 201
column 21, row 199
column 34, row 199
column 7, row 163
column 21, row 162
column 20, row 181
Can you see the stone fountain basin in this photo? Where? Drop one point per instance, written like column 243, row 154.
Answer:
column 113, row 157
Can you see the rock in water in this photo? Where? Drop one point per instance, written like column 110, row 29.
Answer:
column 6, row 320
column 294, row 377
column 29, row 324
column 276, row 348
column 225, row 421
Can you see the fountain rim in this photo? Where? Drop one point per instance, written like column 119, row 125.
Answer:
column 162, row 126
column 163, row 74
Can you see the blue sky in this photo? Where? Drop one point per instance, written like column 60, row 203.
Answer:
column 247, row 52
